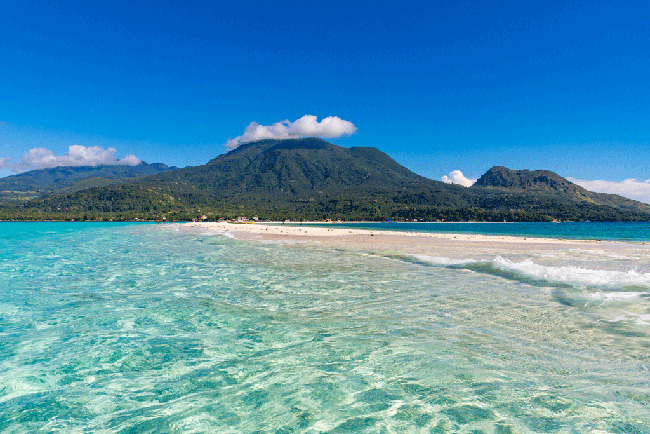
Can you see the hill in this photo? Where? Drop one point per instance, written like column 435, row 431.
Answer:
column 314, row 179
column 545, row 180
column 72, row 178
column 543, row 190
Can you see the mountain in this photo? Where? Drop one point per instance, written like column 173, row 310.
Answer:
column 299, row 178
column 72, row 178
column 545, row 180
column 545, row 186
column 314, row 179
column 296, row 168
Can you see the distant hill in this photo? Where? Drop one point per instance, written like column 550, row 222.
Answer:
column 73, row 178
column 314, row 179
column 502, row 177
column 545, row 186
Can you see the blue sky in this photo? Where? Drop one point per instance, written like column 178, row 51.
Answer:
column 439, row 86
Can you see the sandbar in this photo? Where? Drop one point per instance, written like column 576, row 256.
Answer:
column 448, row 245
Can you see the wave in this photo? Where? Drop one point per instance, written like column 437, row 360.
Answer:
column 212, row 232
column 533, row 273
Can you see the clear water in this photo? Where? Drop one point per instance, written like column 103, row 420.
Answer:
column 145, row 328
column 614, row 231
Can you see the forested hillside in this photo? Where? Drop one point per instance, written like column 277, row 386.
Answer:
column 313, row 179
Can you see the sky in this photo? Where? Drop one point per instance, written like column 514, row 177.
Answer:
column 448, row 89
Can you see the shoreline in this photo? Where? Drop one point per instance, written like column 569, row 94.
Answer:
column 275, row 229
column 459, row 246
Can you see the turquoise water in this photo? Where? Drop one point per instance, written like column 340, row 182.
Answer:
column 619, row 231
column 152, row 328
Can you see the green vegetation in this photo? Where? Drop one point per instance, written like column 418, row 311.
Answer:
column 311, row 179
column 71, row 178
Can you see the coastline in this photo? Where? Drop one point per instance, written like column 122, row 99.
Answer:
column 432, row 244
column 274, row 230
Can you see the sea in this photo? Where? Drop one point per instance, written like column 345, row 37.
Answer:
column 146, row 328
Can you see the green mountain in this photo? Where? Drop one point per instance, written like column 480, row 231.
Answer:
column 530, row 180
column 72, row 178
column 313, row 179
column 294, row 169
column 545, row 191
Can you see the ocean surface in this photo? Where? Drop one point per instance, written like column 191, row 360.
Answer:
column 613, row 231
column 136, row 328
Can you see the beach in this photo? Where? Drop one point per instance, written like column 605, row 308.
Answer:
column 453, row 246
column 306, row 232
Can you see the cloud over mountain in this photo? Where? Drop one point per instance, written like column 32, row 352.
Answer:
column 77, row 155
column 307, row 126
column 630, row 188
column 457, row 177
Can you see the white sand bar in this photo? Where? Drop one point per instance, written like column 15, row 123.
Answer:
column 447, row 245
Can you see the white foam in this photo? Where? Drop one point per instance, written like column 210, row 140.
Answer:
column 575, row 275
column 194, row 228
column 441, row 260
column 643, row 319
column 567, row 274
column 638, row 319
column 617, row 296
column 218, row 232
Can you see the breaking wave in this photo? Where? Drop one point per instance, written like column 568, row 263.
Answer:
column 531, row 272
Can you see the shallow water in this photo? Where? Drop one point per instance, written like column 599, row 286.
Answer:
column 145, row 328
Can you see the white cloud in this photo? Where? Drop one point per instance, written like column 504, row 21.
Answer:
column 77, row 155
column 630, row 188
column 130, row 160
column 457, row 177
column 307, row 126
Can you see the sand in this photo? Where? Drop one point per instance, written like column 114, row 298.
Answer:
column 446, row 245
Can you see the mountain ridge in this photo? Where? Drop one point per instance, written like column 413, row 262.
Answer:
column 500, row 177
column 55, row 177
column 524, row 179
column 310, row 178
